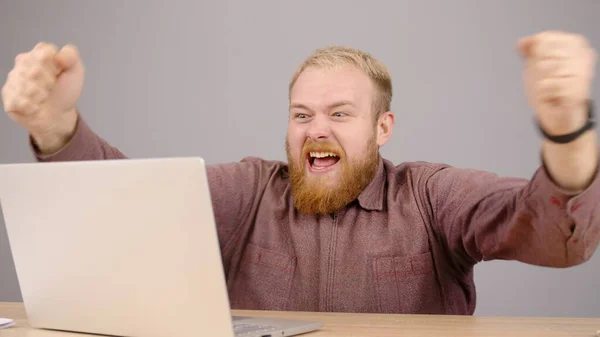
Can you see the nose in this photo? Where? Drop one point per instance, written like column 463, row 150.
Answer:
column 318, row 130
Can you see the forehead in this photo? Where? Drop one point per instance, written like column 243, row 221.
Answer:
column 319, row 87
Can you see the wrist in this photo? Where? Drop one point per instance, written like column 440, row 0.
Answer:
column 572, row 165
column 51, row 141
column 572, row 127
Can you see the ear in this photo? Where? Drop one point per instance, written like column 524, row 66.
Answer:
column 385, row 125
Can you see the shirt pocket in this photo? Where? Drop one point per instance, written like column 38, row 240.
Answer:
column 264, row 279
column 407, row 284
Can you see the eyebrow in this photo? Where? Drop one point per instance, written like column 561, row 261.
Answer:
column 331, row 106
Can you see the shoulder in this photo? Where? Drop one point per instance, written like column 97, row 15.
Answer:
column 248, row 169
column 424, row 169
column 427, row 176
column 252, row 162
column 423, row 175
column 414, row 170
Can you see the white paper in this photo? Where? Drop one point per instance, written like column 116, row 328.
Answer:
column 6, row 323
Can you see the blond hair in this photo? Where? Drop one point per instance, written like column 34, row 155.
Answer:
column 335, row 56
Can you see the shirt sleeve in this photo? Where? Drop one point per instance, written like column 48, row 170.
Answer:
column 237, row 190
column 482, row 216
column 84, row 145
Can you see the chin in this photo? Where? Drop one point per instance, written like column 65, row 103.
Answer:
column 329, row 180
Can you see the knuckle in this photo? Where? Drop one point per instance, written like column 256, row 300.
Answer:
column 14, row 104
column 10, row 105
column 46, row 52
column 11, row 76
column 42, row 95
column 44, row 46
column 20, row 58
column 547, row 84
column 27, row 90
column 35, row 71
column 30, row 90
column 47, row 82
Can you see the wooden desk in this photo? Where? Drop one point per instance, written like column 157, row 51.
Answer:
column 366, row 325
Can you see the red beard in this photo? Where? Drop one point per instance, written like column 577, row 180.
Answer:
column 314, row 194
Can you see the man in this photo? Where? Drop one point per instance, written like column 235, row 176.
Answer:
column 339, row 228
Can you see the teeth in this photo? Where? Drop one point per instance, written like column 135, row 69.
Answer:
column 322, row 154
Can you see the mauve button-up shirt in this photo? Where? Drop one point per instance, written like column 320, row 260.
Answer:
column 408, row 244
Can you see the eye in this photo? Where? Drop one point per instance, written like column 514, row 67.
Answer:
column 339, row 114
column 301, row 116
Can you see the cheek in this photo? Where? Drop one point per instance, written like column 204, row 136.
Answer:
column 354, row 152
column 355, row 144
column 295, row 142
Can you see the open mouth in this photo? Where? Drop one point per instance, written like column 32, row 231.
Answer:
column 322, row 160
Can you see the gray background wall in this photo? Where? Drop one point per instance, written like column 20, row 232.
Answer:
column 209, row 78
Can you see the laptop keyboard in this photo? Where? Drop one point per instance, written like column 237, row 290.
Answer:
column 243, row 329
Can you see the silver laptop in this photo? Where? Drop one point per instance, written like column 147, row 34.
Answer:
column 122, row 247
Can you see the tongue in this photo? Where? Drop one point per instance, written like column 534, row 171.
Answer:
column 324, row 162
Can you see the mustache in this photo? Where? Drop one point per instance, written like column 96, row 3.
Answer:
column 322, row 147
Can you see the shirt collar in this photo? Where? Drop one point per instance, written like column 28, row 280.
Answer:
column 371, row 198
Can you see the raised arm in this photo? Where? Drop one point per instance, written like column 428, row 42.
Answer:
column 41, row 93
column 482, row 216
column 82, row 144
column 553, row 219
column 558, row 75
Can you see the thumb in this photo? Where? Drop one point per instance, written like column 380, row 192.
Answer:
column 524, row 46
column 67, row 57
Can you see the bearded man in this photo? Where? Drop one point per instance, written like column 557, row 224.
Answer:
column 338, row 227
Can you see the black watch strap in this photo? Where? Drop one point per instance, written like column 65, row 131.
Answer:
column 564, row 139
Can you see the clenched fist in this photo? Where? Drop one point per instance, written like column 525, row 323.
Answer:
column 558, row 77
column 41, row 93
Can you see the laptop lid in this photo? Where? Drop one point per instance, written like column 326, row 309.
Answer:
column 116, row 247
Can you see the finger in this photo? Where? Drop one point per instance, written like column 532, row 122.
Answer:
column 548, row 48
column 43, row 55
column 6, row 97
column 67, row 57
column 44, row 52
column 589, row 65
column 555, row 68
column 22, row 59
column 555, row 50
column 13, row 76
column 27, row 107
column 34, row 92
column 9, row 92
column 12, row 102
column 524, row 46
column 21, row 106
column 550, row 89
column 561, row 89
column 42, row 76
column 557, row 45
column 22, row 98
